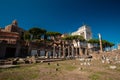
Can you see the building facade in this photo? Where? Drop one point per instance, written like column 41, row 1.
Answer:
column 84, row 31
column 10, row 38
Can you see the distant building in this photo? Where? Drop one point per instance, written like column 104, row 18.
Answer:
column 84, row 31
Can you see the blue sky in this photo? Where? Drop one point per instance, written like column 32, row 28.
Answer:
column 64, row 16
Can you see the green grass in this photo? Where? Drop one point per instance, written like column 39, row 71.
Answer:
column 101, row 73
column 21, row 73
column 62, row 66
column 66, row 69
column 69, row 67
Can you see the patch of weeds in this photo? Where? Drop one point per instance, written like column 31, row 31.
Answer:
column 87, row 70
column 33, row 76
column 109, row 79
column 19, row 73
column 94, row 77
column 52, row 66
column 101, row 73
column 70, row 68
column 118, row 69
column 1, row 70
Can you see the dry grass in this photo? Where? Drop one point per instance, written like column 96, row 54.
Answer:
column 66, row 70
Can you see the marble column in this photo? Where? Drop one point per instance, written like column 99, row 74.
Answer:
column 54, row 53
column 86, row 51
column 59, row 51
column 63, row 51
column 80, row 50
column 68, row 51
column 76, row 52
column 72, row 51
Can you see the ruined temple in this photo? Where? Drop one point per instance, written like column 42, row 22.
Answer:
column 12, row 27
column 10, row 36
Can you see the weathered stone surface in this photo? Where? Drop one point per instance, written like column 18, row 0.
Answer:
column 113, row 67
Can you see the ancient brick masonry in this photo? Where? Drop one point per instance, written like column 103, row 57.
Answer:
column 11, row 34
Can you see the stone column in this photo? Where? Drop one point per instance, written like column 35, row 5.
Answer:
column 86, row 51
column 72, row 51
column 76, row 52
column 100, row 41
column 63, row 50
column 29, row 48
column 18, row 47
column 47, row 54
column 80, row 51
column 59, row 51
column 54, row 51
column 68, row 51
column 38, row 52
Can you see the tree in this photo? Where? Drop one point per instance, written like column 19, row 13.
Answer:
column 95, row 43
column 77, row 38
column 37, row 32
column 26, row 35
column 111, row 44
column 52, row 35
column 107, row 44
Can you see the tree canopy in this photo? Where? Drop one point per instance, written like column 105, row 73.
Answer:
column 26, row 35
column 52, row 33
column 37, row 32
column 93, row 41
column 75, row 37
column 105, row 43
